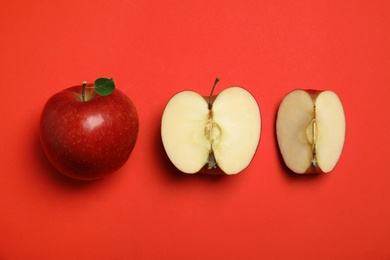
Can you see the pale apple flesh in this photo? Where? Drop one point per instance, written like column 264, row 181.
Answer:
column 223, row 138
column 310, row 129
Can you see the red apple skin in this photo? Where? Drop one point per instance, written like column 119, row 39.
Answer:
column 88, row 140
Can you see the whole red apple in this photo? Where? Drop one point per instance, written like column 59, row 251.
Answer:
column 89, row 131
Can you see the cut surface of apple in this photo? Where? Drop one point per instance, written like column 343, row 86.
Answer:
column 310, row 129
column 222, row 134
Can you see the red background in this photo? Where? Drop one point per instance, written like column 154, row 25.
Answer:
column 153, row 49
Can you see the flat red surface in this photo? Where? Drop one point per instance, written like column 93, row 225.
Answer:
column 153, row 49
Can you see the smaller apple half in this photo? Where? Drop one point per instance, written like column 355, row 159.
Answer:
column 310, row 129
column 217, row 134
column 88, row 136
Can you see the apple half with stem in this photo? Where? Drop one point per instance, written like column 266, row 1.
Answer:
column 214, row 134
column 89, row 131
column 310, row 129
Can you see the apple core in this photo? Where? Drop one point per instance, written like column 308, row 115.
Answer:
column 212, row 133
column 311, row 134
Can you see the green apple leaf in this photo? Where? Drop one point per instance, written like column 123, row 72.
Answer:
column 104, row 86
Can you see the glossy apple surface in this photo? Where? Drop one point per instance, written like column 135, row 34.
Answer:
column 89, row 139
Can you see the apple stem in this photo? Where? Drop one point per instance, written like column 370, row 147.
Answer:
column 83, row 91
column 211, row 93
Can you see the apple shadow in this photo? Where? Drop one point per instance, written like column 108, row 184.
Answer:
column 52, row 173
